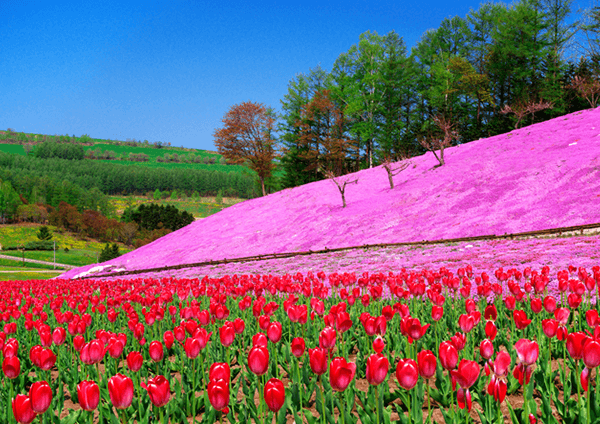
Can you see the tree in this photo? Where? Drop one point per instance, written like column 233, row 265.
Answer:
column 246, row 138
column 437, row 142
column 391, row 171
column 44, row 233
column 341, row 182
column 522, row 109
column 109, row 252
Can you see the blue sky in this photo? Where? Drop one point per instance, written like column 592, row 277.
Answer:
column 170, row 70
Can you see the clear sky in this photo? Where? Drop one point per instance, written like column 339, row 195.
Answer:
column 169, row 70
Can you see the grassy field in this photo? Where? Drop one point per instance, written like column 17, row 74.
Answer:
column 15, row 149
column 27, row 275
column 81, row 252
column 206, row 206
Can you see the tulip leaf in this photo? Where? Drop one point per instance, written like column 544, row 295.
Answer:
column 73, row 417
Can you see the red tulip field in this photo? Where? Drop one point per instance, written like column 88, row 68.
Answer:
column 454, row 346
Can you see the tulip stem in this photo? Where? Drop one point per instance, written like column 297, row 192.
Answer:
column 377, row 402
column 428, row 402
column 322, row 400
column 341, row 408
column 409, row 403
column 193, row 391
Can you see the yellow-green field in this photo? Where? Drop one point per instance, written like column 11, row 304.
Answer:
column 206, row 206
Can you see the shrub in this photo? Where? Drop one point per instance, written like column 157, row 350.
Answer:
column 44, row 233
column 110, row 251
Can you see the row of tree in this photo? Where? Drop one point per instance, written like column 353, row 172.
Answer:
column 499, row 67
column 25, row 173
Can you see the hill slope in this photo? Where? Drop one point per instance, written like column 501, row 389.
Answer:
column 542, row 176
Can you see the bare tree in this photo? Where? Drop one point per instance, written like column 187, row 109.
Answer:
column 522, row 109
column 341, row 183
column 587, row 87
column 391, row 171
column 434, row 143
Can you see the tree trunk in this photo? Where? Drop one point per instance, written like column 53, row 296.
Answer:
column 262, row 184
column 390, row 177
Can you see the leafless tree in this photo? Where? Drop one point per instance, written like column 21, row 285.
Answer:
column 522, row 109
column 587, row 87
column 391, row 171
column 341, row 183
column 433, row 143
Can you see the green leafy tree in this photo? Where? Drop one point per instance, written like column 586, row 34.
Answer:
column 157, row 194
column 110, row 251
column 44, row 233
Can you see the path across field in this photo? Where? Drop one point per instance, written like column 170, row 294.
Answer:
column 35, row 261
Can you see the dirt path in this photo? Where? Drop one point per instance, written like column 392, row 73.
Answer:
column 35, row 261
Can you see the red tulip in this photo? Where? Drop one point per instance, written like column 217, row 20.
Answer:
column 258, row 360
column 412, row 328
column 575, row 343
column 550, row 327
column 490, row 313
column 377, row 368
column 21, row 406
column 40, row 396
column 437, row 312
column 274, row 394
column 378, row 344
column 536, row 305
column 407, row 373
column 88, row 394
column 11, row 367
column 78, row 342
column 260, row 339
column 491, row 330
column 527, row 351
column 159, row 390
column 192, row 348
column 227, row 334
column 115, row 347
column 298, row 347
column 520, row 318
column 59, row 335
column 550, row 304
column 135, row 361
column 591, row 353
column 274, row 332
column 465, row 376
column 427, row 364
column 264, row 321
column 168, row 339
column 218, row 394
column 466, row 323
column 92, row 352
column 318, row 360
column 459, row 340
column 592, row 318
column 486, row 349
column 341, row 373
column 156, row 351
column 120, row 389
column 239, row 325
column 327, row 338
column 219, row 371
column 448, row 355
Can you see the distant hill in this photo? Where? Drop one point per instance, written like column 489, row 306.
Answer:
column 542, row 176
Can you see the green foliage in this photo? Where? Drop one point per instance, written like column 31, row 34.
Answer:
column 219, row 198
column 44, row 233
column 49, row 149
column 32, row 245
column 153, row 217
column 110, row 251
column 157, row 194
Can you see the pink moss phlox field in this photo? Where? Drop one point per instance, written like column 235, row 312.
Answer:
column 542, row 176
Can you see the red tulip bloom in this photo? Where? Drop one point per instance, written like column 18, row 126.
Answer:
column 427, row 364
column 274, row 394
column 520, row 318
column 258, row 360
column 88, row 394
column 219, row 371
column 40, row 396
column 298, row 347
column 11, row 367
column 227, row 334
column 135, row 361
column 341, row 373
column 497, row 387
column 218, row 394
column 120, row 389
column 575, row 343
column 59, row 335
column 115, row 347
column 168, row 339
column 486, row 349
column 550, row 327
column 437, row 312
column 459, row 340
column 202, row 336
column 536, row 305
column 192, row 348
column 466, row 323
column 46, row 359
column 490, row 313
column 377, row 368
column 155, row 351
column 318, row 360
column 264, row 321
column 591, row 359
column 448, row 355
column 274, row 332
column 239, row 325
column 465, row 376
column 412, row 328
column 78, row 342
column 550, row 304
column 407, row 373
column 92, row 352
column 327, row 338
column 491, row 330
column 528, row 352
column 260, row 339
column 21, row 406
column 159, row 390
column 378, row 344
